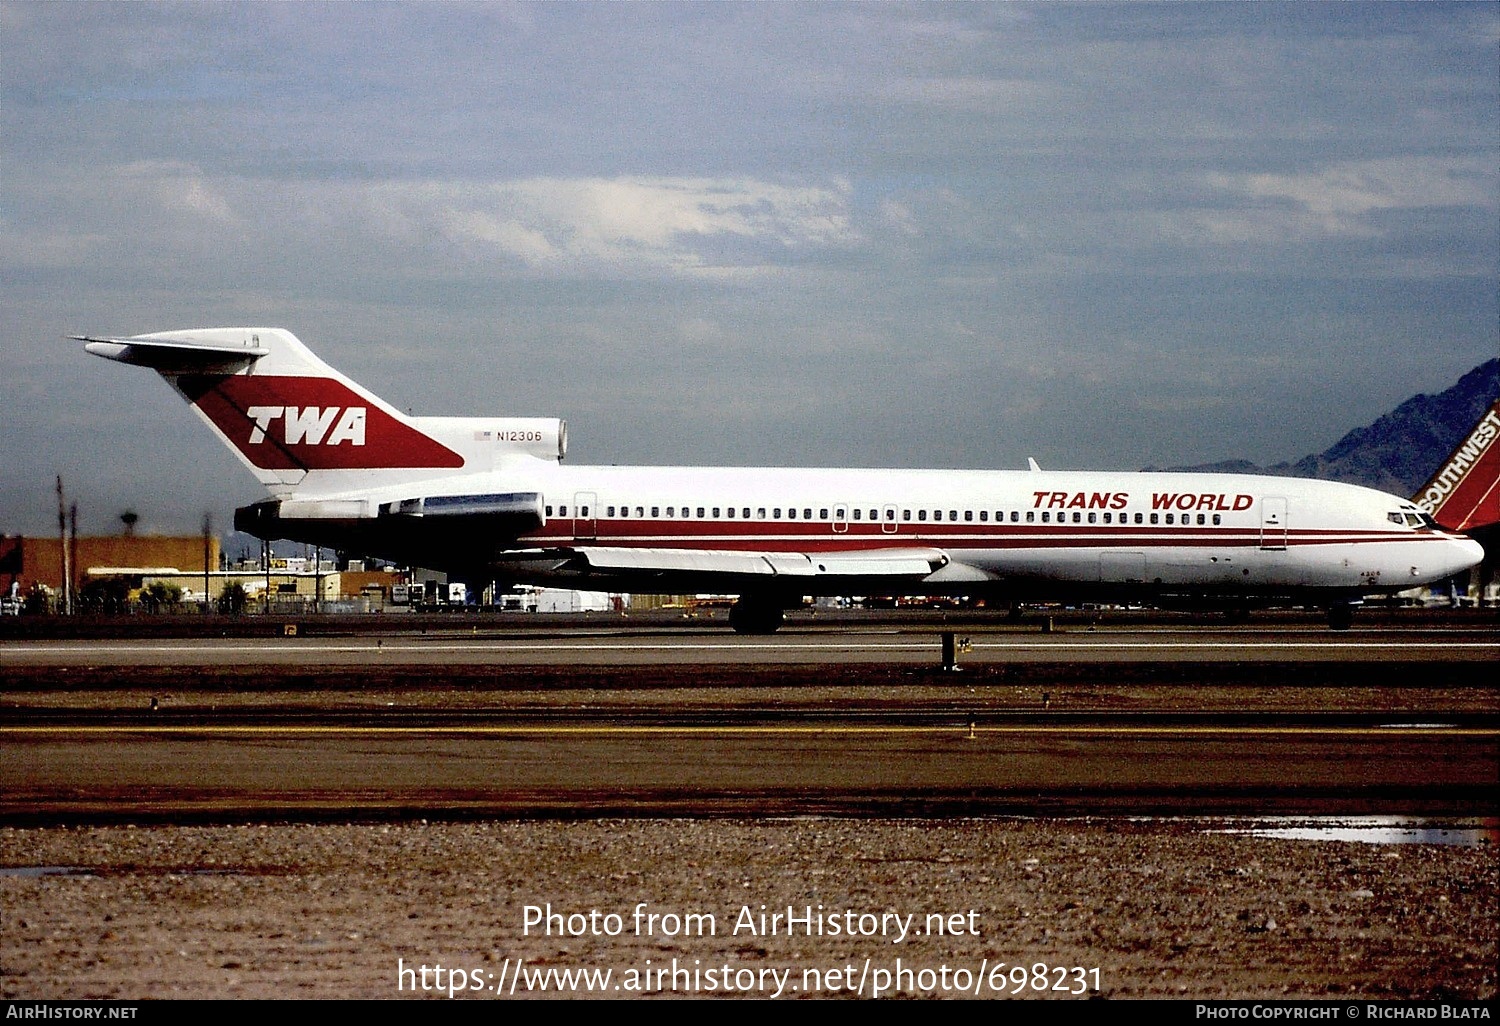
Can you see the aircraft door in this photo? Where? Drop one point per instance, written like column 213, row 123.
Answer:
column 586, row 516
column 840, row 518
column 888, row 520
column 1273, row 523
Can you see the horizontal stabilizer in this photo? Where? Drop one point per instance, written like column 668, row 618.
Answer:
column 173, row 350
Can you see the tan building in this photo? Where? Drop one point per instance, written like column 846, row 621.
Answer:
column 28, row 562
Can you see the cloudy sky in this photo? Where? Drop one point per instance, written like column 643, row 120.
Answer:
column 748, row 233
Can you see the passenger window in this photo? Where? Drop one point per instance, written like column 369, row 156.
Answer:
column 921, row 514
column 746, row 512
column 1108, row 518
column 562, row 511
column 1093, row 518
column 1015, row 517
column 874, row 514
column 807, row 514
column 1217, row 519
column 1153, row 517
column 906, row 514
column 611, row 511
column 953, row 514
column 669, row 510
column 822, row 514
column 984, row 515
column 969, row 515
column 1201, row 519
column 655, row 512
column 640, row 512
column 776, row 513
column 700, row 512
column 730, row 511
column 716, row 512
column 1169, row 517
column 549, row 511
column 1046, row 517
column 857, row 513
column 890, row 514
column 791, row 514
column 1138, row 518
column 761, row 512
column 583, row 512
column 1030, row 516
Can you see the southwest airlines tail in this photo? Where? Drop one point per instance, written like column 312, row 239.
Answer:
column 301, row 426
column 1465, row 492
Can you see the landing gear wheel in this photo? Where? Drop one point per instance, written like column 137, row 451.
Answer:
column 755, row 616
column 1340, row 617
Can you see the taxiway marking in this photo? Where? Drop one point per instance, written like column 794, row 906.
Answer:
column 262, row 730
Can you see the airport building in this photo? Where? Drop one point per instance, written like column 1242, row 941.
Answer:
column 115, row 572
column 32, row 564
column 127, row 573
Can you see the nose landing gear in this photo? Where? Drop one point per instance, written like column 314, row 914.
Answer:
column 1341, row 616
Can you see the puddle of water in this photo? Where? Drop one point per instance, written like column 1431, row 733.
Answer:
column 1476, row 833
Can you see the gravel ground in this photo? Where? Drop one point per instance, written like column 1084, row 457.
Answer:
column 1160, row 909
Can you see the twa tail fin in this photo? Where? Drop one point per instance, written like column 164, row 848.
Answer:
column 1465, row 492
column 288, row 415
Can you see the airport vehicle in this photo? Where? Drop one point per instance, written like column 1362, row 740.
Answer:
column 490, row 498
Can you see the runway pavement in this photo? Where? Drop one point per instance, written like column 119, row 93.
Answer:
column 626, row 647
column 1130, row 719
column 135, row 772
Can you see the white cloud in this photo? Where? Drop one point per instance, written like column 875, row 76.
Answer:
column 1338, row 199
column 681, row 224
column 179, row 186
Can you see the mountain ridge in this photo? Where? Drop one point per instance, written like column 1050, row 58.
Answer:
column 1398, row 451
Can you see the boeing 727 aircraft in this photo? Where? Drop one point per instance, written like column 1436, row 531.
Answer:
column 486, row 498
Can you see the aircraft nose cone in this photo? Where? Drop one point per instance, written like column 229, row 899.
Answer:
column 1463, row 553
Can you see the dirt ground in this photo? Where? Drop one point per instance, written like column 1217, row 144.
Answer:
column 1026, row 908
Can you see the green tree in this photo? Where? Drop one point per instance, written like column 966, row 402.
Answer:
column 233, row 598
column 159, row 595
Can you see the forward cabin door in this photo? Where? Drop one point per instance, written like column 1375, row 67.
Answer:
column 1273, row 523
column 585, row 516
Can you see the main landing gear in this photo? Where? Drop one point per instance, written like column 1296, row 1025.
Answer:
column 1340, row 616
column 753, row 615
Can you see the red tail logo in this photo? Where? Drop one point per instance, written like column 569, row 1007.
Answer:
column 291, row 423
column 310, row 424
column 1465, row 492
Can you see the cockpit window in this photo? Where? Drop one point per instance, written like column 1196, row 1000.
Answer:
column 1413, row 520
column 1394, row 518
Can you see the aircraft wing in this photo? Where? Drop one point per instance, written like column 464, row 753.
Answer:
column 892, row 564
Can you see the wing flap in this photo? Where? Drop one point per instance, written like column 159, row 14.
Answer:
column 889, row 563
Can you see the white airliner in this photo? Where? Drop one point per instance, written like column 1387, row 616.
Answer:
column 487, row 498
